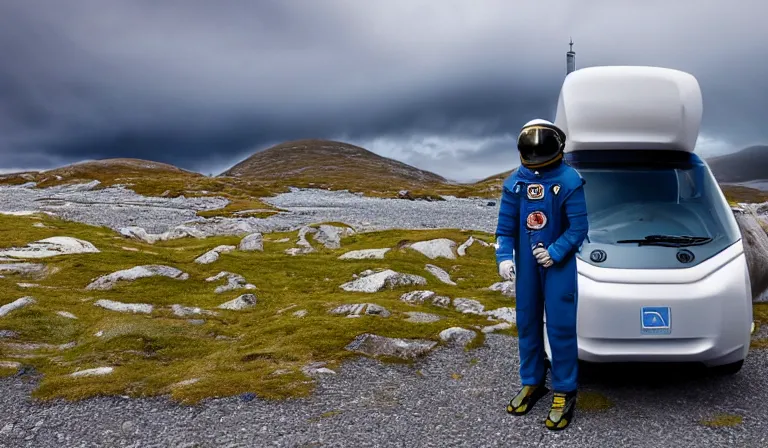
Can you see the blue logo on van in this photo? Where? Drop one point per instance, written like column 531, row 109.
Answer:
column 656, row 320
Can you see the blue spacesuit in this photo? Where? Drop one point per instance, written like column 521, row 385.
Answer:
column 542, row 224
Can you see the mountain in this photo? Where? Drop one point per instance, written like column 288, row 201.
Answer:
column 332, row 164
column 747, row 165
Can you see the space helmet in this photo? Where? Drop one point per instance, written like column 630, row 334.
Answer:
column 540, row 143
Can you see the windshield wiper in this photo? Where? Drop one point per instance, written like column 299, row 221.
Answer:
column 670, row 240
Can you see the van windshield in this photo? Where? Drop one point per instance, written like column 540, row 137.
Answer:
column 643, row 206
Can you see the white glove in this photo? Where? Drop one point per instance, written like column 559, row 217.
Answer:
column 543, row 257
column 507, row 270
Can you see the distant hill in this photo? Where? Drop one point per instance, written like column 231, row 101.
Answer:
column 332, row 164
column 746, row 165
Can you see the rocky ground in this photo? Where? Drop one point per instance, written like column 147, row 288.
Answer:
column 452, row 398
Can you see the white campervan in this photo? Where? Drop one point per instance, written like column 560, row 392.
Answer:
column 662, row 273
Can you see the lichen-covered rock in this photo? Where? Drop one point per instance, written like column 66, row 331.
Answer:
column 421, row 318
column 37, row 270
column 375, row 345
column 506, row 288
column 213, row 254
column 108, row 281
column 359, row 309
column 234, row 281
column 441, row 247
column 364, row 254
column 457, row 335
column 462, row 250
column 98, row 371
column 50, row 247
column 380, row 281
column 252, row 242
column 506, row 314
column 240, row 303
column 440, row 274
column 184, row 311
column 468, row 306
column 330, row 236
column 755, row 242
column 111, row 305
column 15, row 305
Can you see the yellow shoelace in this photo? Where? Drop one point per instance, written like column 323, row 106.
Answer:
column 558, row 402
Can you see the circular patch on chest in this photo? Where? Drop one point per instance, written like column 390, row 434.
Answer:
column 536, row 220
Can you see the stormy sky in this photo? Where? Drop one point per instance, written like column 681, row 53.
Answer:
column 442, row 84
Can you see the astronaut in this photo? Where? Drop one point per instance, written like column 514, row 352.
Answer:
column 542, row 224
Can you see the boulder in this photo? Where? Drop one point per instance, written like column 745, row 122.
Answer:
column 440, row 274
column 755, row 242
column 468, row 306
column 462, row 250
column 359, row 309
column 364, row 254
column 240, row 303
column 37, row 270
column 120, row 307
column 51, row 247
column 441, row 247
column 98, row 371
column 421, row 318
column 252, row 242
column 375, row 345
column 15, row 305
column 108, row 281
column 506, row 288
column 234, row 281
column 506, row 314
column 213, row 254
column 457, row 335
column 184, row 311
column 330, row 236
column 380, row 281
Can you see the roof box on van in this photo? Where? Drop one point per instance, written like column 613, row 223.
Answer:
column 630, row 107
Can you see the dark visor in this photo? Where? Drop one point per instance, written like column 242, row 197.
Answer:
column 538, row 144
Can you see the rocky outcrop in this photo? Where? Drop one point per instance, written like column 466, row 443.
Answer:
column 330, row 236
column 142, row 308
column 418, row 317
column 252, row 242
column 15, row 305
column 234, row 281
column 380, row 281
column 441, row 247
column 213, row 254
column 506, row 288
column 440, row 274
column 303, row 245
column 364, row 254
column 375, row 345
column 36, row 270
column 243, row 302
column 51, row 247
column 419, row 297
column 457, row 336
column 108, row 281
column 360, row 309
column 468, row 306
column 506, row 314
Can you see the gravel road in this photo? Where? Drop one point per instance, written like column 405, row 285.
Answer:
column 369, row 404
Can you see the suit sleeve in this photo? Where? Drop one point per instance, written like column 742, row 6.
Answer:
column 575, row 208
column 508, row 224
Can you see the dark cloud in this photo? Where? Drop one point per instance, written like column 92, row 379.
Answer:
column 444, row 85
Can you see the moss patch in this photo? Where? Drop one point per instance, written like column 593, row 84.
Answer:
column 259, row 350
column 722, row 420
column 593, row 401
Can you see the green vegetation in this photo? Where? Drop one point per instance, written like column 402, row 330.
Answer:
column 722, row 420
column 592, row 401
column 259, row 350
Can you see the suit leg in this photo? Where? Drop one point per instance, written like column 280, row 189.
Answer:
column 561, row 302
column 530, row 315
